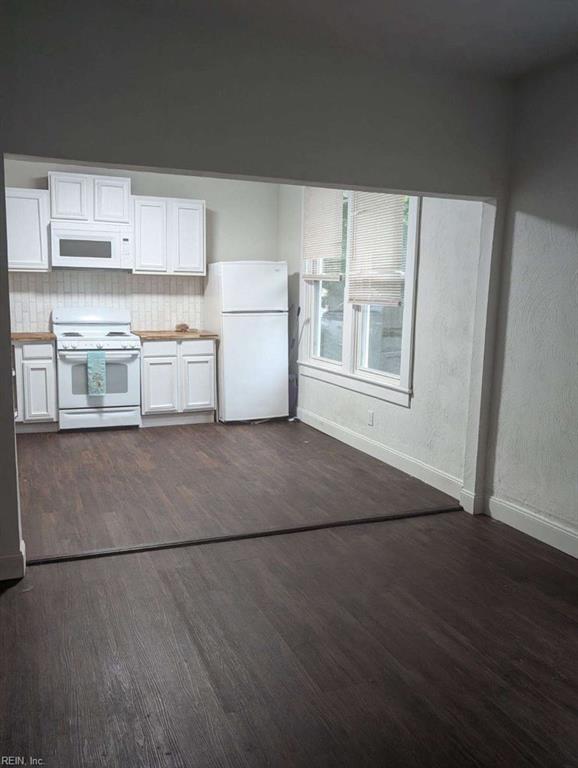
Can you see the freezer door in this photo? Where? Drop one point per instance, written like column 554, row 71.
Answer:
column 253, row 376
column 254, row 286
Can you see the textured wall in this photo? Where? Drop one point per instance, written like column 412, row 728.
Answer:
column 155, row 302
column 433, row 430
column 535, row 424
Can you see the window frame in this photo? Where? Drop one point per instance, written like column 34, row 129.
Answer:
column 347, row 373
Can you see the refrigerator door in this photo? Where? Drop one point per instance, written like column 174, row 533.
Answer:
column 253, row 375
column 254, row 286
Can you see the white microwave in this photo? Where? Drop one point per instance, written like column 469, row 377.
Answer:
column 94, row 246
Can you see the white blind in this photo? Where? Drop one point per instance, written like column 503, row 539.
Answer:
column 322, row 234
column 378, row 248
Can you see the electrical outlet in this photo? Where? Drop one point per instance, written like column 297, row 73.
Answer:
column 370, row 418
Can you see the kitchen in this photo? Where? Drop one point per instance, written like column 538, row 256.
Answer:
column 145, row 299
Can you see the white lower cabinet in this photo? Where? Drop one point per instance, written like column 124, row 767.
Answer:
column 197, row 382
column 178, row 376
column 35, row 383
column 160, row 385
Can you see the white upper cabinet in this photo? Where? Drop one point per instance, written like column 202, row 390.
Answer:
column 112, row 199
column 169, row 235
column 70, row 196
column 187, row 236
column 150, row 223
column 85, row 197
column 27, row 229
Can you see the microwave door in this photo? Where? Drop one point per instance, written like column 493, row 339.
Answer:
column 86, row 247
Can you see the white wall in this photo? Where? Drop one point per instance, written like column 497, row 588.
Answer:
column 430, row 435
column 535, row 426
column 241, row 215
column 289, row 250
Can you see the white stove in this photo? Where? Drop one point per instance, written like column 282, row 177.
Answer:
column 78, row 332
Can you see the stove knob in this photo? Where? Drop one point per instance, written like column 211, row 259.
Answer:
column 72, row 346
column 99, row 346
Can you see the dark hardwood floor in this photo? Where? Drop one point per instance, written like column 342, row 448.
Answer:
column 427, row 642
column 97, row 489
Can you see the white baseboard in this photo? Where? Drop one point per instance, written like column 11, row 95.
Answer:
column 472, row 502
column 13, row 566
column 173, row 420
column 551, row 532
column 33, row 428
column 430, row 475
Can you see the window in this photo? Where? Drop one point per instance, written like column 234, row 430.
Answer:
column 359, row 254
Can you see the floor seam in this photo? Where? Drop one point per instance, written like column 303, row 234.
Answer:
column 182, row 543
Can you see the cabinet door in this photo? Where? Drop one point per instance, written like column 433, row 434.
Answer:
column 187, row 236
column 70, row 195
column 160, row 386
column 27, row 229
column 111, row 199
column 197, row 382
column 39, row 390
column 150, row 223
column 17, row 388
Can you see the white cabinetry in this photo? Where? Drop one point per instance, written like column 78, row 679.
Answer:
column 27, row 229
column 35, row 379
column 178, row 377
column 84, row 197
column 150, row 221
column 160, row 385
column 112, row 199
column 70, row 196
column 170, row 235
column 186, row 236
column 197, row 382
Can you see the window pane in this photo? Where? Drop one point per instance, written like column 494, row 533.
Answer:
column 380, row 348
column 329, row 321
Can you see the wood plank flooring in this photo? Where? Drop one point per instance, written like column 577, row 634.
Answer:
column 97, row 489
column 427, row 642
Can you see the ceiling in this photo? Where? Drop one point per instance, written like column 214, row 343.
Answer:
column 498, row 37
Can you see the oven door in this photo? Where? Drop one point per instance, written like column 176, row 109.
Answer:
column 122, row 380
column 86, row 245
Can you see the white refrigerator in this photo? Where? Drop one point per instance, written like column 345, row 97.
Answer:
column 246, row 304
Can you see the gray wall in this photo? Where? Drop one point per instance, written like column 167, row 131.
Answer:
column 535, row 420
column 432, row 431
column 160, row 84
column 241, row 215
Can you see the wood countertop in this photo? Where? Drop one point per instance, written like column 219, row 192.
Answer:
column 174, row 335
column 34, row 336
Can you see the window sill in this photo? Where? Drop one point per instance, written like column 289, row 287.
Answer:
column 382, row 390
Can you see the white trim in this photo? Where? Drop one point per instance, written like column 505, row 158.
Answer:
column 13, row 566
column 485, row 312
column 431, row 475
column 472, row 503
column 378, row 388
column 547, row 530
column 40, row 426
column 173, row 420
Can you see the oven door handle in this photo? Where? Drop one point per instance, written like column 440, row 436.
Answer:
column 116, row 356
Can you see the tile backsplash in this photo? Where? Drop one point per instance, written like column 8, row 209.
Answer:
column 156, row 302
